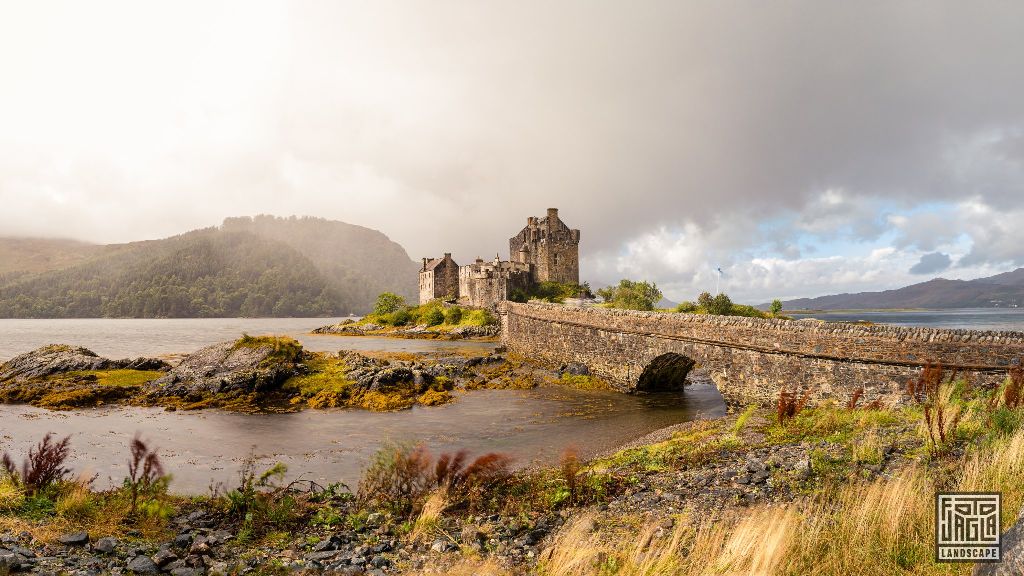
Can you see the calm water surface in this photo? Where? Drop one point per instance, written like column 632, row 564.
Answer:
column 123, row 338
column 972, row 318
column 206, row 447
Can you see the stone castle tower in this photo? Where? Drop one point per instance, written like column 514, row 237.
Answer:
column 551, row 249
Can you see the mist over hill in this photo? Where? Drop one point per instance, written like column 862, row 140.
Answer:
column 999, row 291
column 262, row 266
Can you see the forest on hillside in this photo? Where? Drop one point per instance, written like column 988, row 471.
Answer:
column 248, row 267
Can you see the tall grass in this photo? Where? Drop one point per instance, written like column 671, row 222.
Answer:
column 876, row 528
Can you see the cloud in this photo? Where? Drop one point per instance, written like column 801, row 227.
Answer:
column 932, row 263
column 670, row 133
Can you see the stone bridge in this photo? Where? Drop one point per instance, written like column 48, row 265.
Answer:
column 751, row 359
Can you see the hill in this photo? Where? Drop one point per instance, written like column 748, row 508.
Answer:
column 1001, row 290
column 19, row 256
column 248, row 267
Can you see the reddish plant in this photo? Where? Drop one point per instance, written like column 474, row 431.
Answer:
column 788, row 405
column 44, row 465
column 144, row 469
column 941, row 420
column 570, row 471
column 851, row 404
column 400, row 476
column 927, row 383
column 1013, row 391
column 452, row 472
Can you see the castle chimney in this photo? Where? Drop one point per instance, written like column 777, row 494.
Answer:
column 447, row 255
column 424, row 265
column 552, row 213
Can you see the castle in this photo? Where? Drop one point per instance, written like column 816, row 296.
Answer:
column 545, row 250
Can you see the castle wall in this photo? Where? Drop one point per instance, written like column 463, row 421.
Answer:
column 752, row 359
column 485, row 285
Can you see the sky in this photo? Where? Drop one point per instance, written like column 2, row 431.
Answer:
column 805, row 148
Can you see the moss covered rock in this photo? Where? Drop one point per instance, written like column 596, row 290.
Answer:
column 62, row 358
column 250, row 364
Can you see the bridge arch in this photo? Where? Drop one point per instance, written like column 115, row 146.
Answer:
column 665, row 372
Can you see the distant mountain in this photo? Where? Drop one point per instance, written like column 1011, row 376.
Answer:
column 263, row 266
column 1001, row 290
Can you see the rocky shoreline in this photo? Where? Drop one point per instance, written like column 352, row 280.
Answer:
column 265, row 374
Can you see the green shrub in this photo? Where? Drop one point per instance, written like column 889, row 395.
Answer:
column 399, row 317
column 453, row 315
column 479, row 318
column 433, row 317
column 686, row 307
column 260, row 502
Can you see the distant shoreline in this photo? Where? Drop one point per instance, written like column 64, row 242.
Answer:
column 892, row 310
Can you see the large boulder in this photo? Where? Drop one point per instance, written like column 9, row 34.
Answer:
column 1013, row 553
column 247, row 365
column 61, row 358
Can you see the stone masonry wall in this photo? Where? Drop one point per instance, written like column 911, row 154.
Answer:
column 751, row 359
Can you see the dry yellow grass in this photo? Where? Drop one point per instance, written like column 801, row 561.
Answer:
column 426, row 523
column 874, row 528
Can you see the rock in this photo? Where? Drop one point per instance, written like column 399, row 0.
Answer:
column 185, row 571
column 59, row 358
column 439, row 546
column 228, row 367
column 321, row 556
column 22, row 551
column 472, row 534
column 182, row 541
column 1013, row 553
column 74, row 539
column 164, row 557
column 325, row 545
column 9, row 561
column 105, row 545
column 199, row 546
column 143, row 565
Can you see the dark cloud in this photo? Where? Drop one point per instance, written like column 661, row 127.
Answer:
column 932, row 263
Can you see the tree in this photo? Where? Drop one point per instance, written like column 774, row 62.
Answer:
column 387, row 303
column 776, row 307
column 721, row 305
column 705, row 301
column 632, row 295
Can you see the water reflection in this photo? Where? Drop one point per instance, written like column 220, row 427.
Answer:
column 201, row 448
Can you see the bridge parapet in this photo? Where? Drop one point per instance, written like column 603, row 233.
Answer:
column 750, row 359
